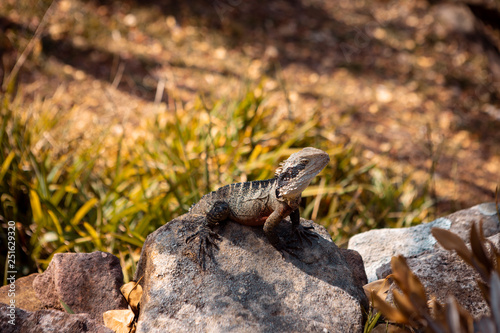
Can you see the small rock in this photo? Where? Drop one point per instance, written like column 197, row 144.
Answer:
column 86, row 282
column 248, row 287
column 355, row 263
column 25, row 295
column 45, row 321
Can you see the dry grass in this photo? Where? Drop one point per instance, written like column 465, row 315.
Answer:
column 126, row 114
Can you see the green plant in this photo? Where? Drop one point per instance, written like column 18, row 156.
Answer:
column 109, row 193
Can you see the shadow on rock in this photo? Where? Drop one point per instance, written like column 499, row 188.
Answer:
column 249, row 286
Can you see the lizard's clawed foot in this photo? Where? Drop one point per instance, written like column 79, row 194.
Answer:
column 290, row 249
column 304, row 233
column 207, row 242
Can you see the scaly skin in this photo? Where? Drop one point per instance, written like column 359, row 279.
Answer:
column 262, row 202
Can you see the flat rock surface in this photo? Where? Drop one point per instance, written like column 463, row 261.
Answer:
column 378, row 246
column 25, row 296
column 47, row 321
column 485, row 213
column 249, row 287
column 86, row 282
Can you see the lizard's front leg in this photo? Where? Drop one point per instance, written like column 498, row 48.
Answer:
column 300, row 231
column 217, row 214
column 270, row 228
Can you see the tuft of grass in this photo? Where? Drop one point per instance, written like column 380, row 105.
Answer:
column 89, row 197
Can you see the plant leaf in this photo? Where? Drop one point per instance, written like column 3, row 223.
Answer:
column 400, row 272
column 93, row 233
column 83, row 210
column 451, row 241
column 36, row 206
column 404, row 304
column 407, row 280
column 380, row 287
column 389, row 312
column 132, row 292
column 66, row 307
column 6, row 164
column 483, row 263
column 120, row 321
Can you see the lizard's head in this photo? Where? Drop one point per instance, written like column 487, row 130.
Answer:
column 295, row 173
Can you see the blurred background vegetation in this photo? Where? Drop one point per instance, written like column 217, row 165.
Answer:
column 119, row 115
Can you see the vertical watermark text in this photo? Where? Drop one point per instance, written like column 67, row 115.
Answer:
column 10, row 271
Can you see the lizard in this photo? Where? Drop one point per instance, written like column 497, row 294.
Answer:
column 260, row 203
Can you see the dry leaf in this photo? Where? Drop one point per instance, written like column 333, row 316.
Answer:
column 457, row 318
column 133, row 293
column 404, row 304
column 120, row 321
column 400, row 272
column 412, row 306
column 483, row 264
column 436, row 309
column 380, row 287
column 451, row 241
column 408, row 282
column 389, row 312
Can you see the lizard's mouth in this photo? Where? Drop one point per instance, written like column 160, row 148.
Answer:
column 297, row 173
column 294, row 188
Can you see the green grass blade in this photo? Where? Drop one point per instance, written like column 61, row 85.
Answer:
column 6, row 164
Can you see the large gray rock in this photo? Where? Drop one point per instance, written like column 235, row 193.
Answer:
column 377, row 247
column 486, row 213
column 45, row 321
column 249, row 287
column 86, row 282
column 444, row 273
